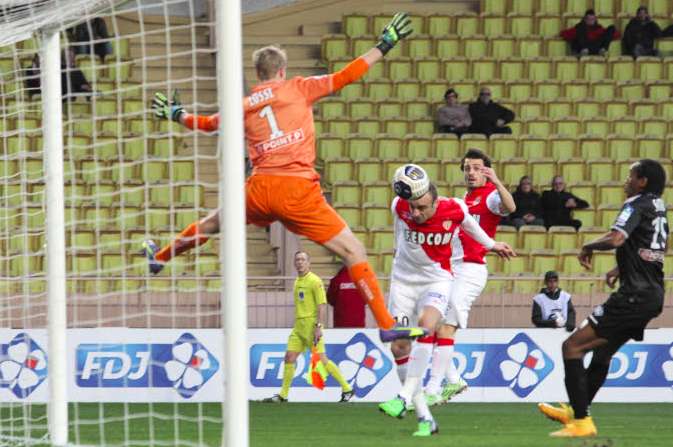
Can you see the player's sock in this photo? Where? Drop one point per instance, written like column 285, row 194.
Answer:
column 576, row 386
column 441, row 358
column 421, row 350
column 365, row 280
column 336, row 373
column 288, row 375
column 596, row 374
column 186, row 240
column 421, row 405
column 452, row 375
column 402, row 364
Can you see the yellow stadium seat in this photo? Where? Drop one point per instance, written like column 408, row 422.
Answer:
column 447, row 47
column 572, row 170
column 356, row 25
column 484, row 69
column 603, row 90
column 451, row 171
column 650, row 68
column 622, row 68
column 439, row 25
column 568, row 126
column 617, row 109
column 568, row 263
column 467, row 24
column 467, row 90
column 493, row 25
column 556, row 47
column 456, row 69
column 418, row 147
column 547, row 90
column 422, row 126
column 330, row 146
column 540, row 127
column 577, row 7
column 562, row 147
column 516, row 266
column 559, row 108
column 417, row 108
column 644, row 109
column 608, row 213
column 530, row 47
column 334, row 46
column 658, row 90
column 339, row 170
column 576, row 90
column 419, row 45
column 519, row 90
column 601, row 170
column 531, row 108
column 619, row 147
column 346, row 192
column 542, row 261
column 359, row 147
column 611, row 193
column 356, row 90
column 476, row 141
column 526, row 286
column 398, row 127
column 667, row 110
column 474, row 46
column 567, row 69
column 512, row 69
column 382, row 239
column 597, row 126
column 591, row 148
column 368, row 170
column 549, row 26
column 351, row 213
column 428, row 69
column 512, row 170
column 368, row 126
column 407, row 89
column 495, row 7
column 532, row 147
column 378, row 192
column 551, row 7
column 446, row 146
column 561, row 238
column 399, row 68
column 649, row 147
column 390, row 166
column 332, row 107
column 586, row 216
column 361, row 108
column 340, row 126
column 389, row 147
column 503, row 147
column 631, row 90
column 594, row 68
column 589, row 109
column 542, row 170
column 380, row 89
column 540, row 69
column 522, row 25
column 532, row 237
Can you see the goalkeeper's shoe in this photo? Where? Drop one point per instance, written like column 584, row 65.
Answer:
column 576, row 428
column 275, row 399
column 453, row 389
column 426, row 428
column 395, row 408
column 346, row 396
column 150, row 249
column 398, row 331
column 563, row 413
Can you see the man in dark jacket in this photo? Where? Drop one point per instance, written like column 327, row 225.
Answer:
column 640, row 34
column 552, row 306
column 528, row 207
column 558, row 204
column 489, row 117
column 349, row 309
column 588, row 37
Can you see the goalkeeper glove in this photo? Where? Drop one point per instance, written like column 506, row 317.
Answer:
column 165, row 109
column 397, row 29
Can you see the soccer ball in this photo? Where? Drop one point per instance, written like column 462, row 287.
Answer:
column 410, row 182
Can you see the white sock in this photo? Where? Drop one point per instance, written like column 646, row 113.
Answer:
column 442, row 357
column 452, row 375
column 422, row 410
column 421, row 350
column 402, row 364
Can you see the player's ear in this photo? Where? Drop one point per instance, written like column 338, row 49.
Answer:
column 282, row 73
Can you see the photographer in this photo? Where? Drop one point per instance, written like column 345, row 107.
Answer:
column 552, row 306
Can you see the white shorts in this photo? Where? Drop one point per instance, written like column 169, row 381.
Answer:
column 406, row 301
column 470, row 280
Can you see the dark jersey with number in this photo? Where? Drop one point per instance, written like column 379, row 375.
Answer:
column 641, row 258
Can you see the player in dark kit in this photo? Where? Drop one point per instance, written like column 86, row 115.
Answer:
column 639, row 235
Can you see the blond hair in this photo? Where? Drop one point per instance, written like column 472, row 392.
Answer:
column 268, row 61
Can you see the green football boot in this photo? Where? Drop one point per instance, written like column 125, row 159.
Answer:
column 452, row 389
column 434, row 399
column 426, row 428
column 395, row 408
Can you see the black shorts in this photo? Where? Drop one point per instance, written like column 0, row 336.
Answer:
column 624, row 316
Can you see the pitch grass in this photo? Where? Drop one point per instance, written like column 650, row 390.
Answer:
column 339, row 425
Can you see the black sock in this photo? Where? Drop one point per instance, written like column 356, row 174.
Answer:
column 596, row 375
column 576, row 386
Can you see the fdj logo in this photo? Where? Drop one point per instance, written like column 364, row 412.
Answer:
column 641, row 365
column 186, row 365
column 23, row 365
column 362, row 363
column 519, row 365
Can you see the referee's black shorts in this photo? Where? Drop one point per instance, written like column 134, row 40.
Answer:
column 624, row 316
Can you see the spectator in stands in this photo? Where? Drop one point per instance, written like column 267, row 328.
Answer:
column 640, row 34
column 349, row 309
column 588, row 37
column 558, row 204
column 73, row 80
column 32, row 79
column 453, row 117
column 552, row 307
column 90, row 34
column 489, row 117
column 528, row 206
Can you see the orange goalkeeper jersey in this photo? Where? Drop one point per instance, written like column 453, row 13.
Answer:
column 279, row 125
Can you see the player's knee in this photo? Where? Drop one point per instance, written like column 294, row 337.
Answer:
column 569, row 348
column 290, row 357
column 400, row 348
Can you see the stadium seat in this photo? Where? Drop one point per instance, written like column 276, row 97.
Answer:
column 376, row 215
column 377, row 192
column 419, row 45
column 477, row 141
column 650, row 68
column 334, row 46
column 451, row 170
column 654, row 127
column 368, row 170
column 418, row 108
column 539, row 127
column 572, row 170
column 589, row 109
column 568, row 263
column 532, row 237
column 518, row 265
column 619, row 147
column 407, row 89
column 562, row 238
column 576, row 90
column 428, row 69
column 649, row 147
column 350, row 213
column 467, row 24
column 512, row 69
column 567, row 69
column 475, row 46
column 562, row 147
column 439, row 25
column 591, row 148
column 360, row 108
column 380, row 89
column 521, row 25
column 370, row 127
column 418, row 147
column 607, row 213
column 519, row 90
column 531, row 108
column 465, row 89
column 390, row 166
column 589, row 233
column 617, row 109
column 600, row 170
column 446, row 146
column 529, row 47
column 339, row 126
column 484, row 69
column 332, row 108
column 447, row 47
column 644, row 109
column 555, row 47
column 356, row 90
column 542, row 170
column 397, row 127
column 548, row 26
column 547, row 89
column 540, row 69
column 596, row 126
column 338, row 169
column 493, row 25
column 191, row 194
column 400, row 68
column 389, row 146
column 586, row 216
column 161, row 195
column 622, row 68
column 503, row 146
column 594, row 68
column 559, row 108
column 667, row 110
column 359, row 147
column 455, row 68
column 512, row 170
column 542, row 261
column 602, row 262
column 356, row 25
column 631, row 91
column 568, row 126
column 389, row 108
column 611, row 193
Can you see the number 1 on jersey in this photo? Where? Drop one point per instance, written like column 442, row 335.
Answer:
column 659, row 237
column 267, row 112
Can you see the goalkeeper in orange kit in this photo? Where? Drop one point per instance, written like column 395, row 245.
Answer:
column 284, row 185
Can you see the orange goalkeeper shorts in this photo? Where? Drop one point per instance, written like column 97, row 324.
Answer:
column 296, row 202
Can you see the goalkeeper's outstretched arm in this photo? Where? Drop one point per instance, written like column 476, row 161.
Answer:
column 173, row 110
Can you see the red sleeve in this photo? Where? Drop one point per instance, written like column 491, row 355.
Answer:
column 568, row 34
column 207, row 123
column 315, row 87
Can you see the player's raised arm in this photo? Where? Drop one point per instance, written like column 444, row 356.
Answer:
column 506, row 199
column 173, row 110
column 472, row 228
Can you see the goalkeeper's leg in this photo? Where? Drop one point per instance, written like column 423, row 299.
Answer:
column 194, row 235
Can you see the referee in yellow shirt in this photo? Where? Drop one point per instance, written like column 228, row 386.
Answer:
column 310, row 314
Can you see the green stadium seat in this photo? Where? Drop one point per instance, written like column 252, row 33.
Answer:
column 356, row 90
column 484, row 69
column 540, row 69
column 376, row 215
column 650, row 68
column 339, row 126
column 417, row 108
column 658, row 90
column 397, row 127
column 446, row 146
column 586, row 216
column 562, row 238
column 531, row 108
column 522, row 25
column 419, row 45
column 503, row 146
column 649, row 147
column 332, row 108
column 154, row 171
column 382, row 239
column 368, row 170
column 512, row 170
column 338, row 169
column 603, row 262
column 467, row 24
column 184, row 217
column 503, row 47
column 519, row 90
column 183, row 171
column 622, row 68
column 596, row 126
column 428, row 69
column 474, row 141
column 568, row 126
column 407, row 89
column 360, row 108
column 512, row 69
column 389, row 108
column 619, row 147
column 644, row 110
column 567, row 69
column 542, row 170
column 494, row 7
column 611, row 193
column 494, row 25
column 549, row 26
column 191, row 194
column 474, row 46
column 133, row 196
column 559, row 108
column 516, row 266
column 455, row 69
column 447, row 47
column 334, row 46
column 532, row 237
column 631, row 91
column 161, row 195
column 370, row 127
column 572, row 169
column 547, row 90
column 568, row 263
column 439, row 25
column 418, row 147
column 380, row 89
column 530, row 47
column 359, row 147
column 378, row 192
column 389, row 147
column 539, row 127
column 356, row 25
column 135, row 148
column 542, row 261
column 400, row 68
column 577, row 7
column 617, row 109
column 591, row 148
column 600, row 170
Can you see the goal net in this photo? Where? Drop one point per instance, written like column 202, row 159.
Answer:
column 143, row 352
